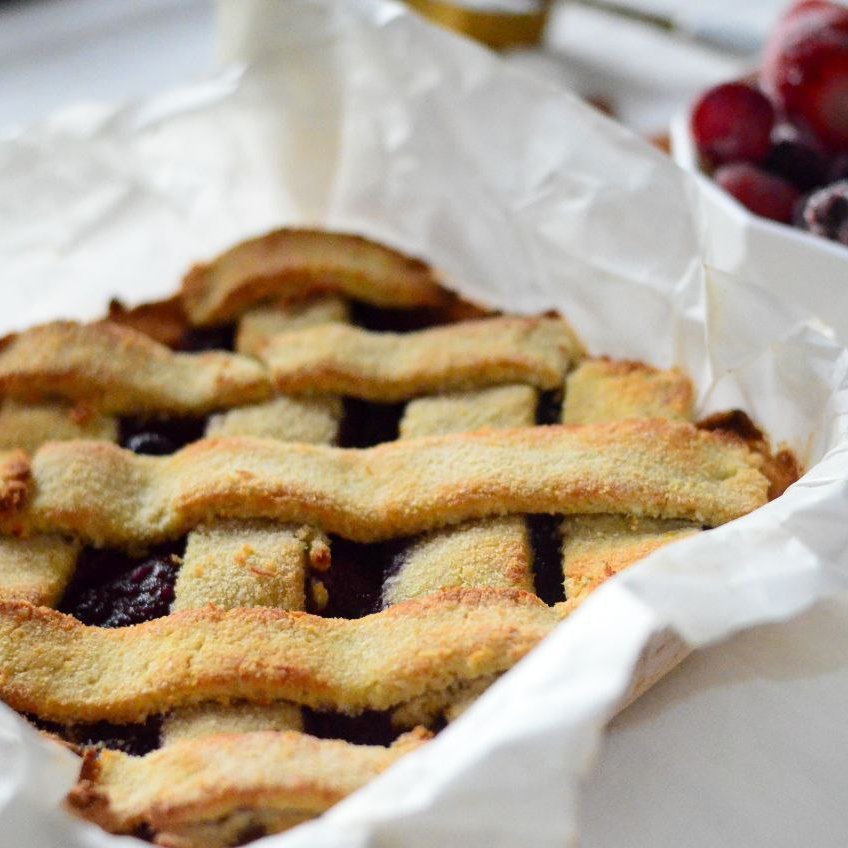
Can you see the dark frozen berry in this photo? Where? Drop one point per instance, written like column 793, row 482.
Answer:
column 354, row 581
column 798, row 162
column 546, row 541
column 159, row 436
column 762, row 193
column 826, row 212
column 197, row 339
column 549, row 408
column 135, row 739
column 368, row 728
column 110, row 589
column 838, row 169
column 154, row 444
column 365, row 424
column 733, row 123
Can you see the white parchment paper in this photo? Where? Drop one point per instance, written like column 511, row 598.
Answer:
column 358, row 116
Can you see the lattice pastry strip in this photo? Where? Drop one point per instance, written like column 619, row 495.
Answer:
column 253, row 563
column 291, row 264
column 291, row 777
column 235, row 564
column 388, row 367
column 61, row 670
column 600, row 390
column 118, row 370
column 258, row 326
column 28, row 426
column 244, row 564
column 651, row 468
column 36, row 569
column 308, row 419
column 211, row 719
column 596, row 547
column 492, row 553
column 114, row 369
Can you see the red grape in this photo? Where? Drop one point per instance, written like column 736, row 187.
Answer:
column 733, row 122
column 762, row 193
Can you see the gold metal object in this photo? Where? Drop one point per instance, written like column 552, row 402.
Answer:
column 495, row 28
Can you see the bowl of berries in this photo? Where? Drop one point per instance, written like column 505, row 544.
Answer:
column 776, row 142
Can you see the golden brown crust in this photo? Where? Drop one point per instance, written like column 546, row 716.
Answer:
column 595, row 547
column 164, row 320
column 243, row 564
column 501, row 407
column 655, row 468
column 614, row 390
column 15, row 473
column 29, row 426
column 293, row 264
column 37, row 569
column 782, row 468
column 53, row 666
column 385, row 367
column 307, row 419
column 428, row 709
column 259, row 325
column 196, row 781
column 242, row 717
column 495, row 552
column 119, row 370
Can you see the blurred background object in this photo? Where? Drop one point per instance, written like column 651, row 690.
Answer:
column 496, row 23
column 645, row 59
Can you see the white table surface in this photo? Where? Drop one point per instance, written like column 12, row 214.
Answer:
column 767, row 709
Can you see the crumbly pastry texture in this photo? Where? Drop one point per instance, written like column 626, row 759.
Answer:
column 291, row 263
column 655, row 468
column 119, row 370
column 341, row 466
column 59, row 669
column 28, row 426
column 607, row 390
column 285, row 773
column 390, row 367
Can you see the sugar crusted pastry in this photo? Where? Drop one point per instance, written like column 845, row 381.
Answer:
column 261, row 540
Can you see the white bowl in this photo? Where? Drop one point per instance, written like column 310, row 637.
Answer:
column 784, row 258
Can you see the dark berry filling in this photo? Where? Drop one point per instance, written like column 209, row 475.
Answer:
column 838, row 169
column 145, row 832
column 135, row 739
column 250, row 833
column 368, row 728
column 159, row 436
column 380, row 320
column 546, row 541
column 354, row 581
column 198, row 339
column 549, row 407
column 112, row 589
column 802, row 164
column 365, row 424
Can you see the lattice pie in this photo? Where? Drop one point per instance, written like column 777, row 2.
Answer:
column 263, row 539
